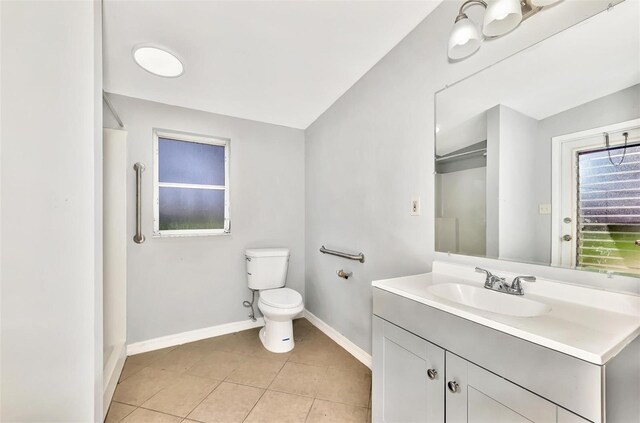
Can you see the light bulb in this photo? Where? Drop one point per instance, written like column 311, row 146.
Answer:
column 465, row 38
column 501, row 17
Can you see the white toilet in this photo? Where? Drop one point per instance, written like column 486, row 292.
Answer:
column 267, row 273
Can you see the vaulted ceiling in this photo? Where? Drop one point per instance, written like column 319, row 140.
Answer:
column 281, row 62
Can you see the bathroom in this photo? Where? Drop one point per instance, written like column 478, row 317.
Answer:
column 365, row 166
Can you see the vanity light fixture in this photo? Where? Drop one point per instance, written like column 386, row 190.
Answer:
column 158, row 62
column 500, row 17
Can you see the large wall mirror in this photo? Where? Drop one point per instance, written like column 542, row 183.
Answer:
column 538, row 156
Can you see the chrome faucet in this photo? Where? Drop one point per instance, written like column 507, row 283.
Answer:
column 492, row 280
column 516, row 285
column 496, row 283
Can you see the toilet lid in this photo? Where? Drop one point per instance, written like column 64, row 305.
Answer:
column 281, row 297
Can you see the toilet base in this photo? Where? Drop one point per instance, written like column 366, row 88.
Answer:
column 277, row 337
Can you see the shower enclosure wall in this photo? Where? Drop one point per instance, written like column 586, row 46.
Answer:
column 115, row 173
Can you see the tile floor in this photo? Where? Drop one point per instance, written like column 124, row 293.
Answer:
column 232, row 378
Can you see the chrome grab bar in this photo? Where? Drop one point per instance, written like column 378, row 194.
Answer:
column 138, row 238
column 359, row 257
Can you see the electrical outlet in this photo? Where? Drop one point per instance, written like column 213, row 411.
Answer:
column 544, row 209
column 415, row 206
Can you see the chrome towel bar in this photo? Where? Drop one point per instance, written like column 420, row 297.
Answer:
column 138, row 238
column 359, row 257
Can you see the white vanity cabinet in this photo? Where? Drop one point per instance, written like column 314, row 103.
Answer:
column 481, row 374
column 417, row 381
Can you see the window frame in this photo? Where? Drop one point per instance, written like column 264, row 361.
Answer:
column 193, row 138
column 563, row 194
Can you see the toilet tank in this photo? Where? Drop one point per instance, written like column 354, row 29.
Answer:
column 267, row 267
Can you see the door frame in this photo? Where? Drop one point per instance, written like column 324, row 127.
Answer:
column 561, row 146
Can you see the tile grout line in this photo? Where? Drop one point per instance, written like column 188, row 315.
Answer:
column 310, row 408
column 254, row 406
column 161, row 412
column 267, row 390
column 183, row 373
column 205, row 397
column 125, row 416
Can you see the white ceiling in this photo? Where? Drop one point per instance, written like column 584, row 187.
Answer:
column 588, row 61
column 281, row 62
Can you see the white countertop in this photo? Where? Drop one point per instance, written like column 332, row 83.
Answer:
column 589, row 324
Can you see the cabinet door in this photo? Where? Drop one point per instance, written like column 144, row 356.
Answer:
column 408, row 376
column 475, row 395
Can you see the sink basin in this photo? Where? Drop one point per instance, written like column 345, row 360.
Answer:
column 484, row 299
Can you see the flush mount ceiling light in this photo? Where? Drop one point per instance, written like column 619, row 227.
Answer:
column 500, row 17
column 158, row 62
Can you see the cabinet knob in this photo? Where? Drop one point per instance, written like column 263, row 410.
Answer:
column 453, row 386
column 432, row 373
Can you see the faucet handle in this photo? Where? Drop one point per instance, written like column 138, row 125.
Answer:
column 480, row 270
column 490, row 279
column 525, row 278
column 516, row 285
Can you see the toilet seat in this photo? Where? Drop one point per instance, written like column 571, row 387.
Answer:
column 281, row 298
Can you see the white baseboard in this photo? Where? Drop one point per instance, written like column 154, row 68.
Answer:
column 198, row 334
column 111, row 375
column 191, row 336
column 362, row 356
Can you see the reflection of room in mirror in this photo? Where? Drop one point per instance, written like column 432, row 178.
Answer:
column 496, row 174
column 460, row 219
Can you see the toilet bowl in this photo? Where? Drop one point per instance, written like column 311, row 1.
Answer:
column 279, row 306
column 266, row 273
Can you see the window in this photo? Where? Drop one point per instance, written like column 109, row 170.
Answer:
column 191, row 184
column 609, row 209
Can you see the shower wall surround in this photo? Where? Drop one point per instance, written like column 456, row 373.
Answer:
column 186, row 283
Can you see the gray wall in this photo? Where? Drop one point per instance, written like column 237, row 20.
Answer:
column 51, row 226
column 372, row 150
column 186, row 283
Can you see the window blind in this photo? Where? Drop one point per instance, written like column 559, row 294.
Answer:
column 609, row 210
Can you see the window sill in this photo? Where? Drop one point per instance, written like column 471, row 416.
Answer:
column 179, row 234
